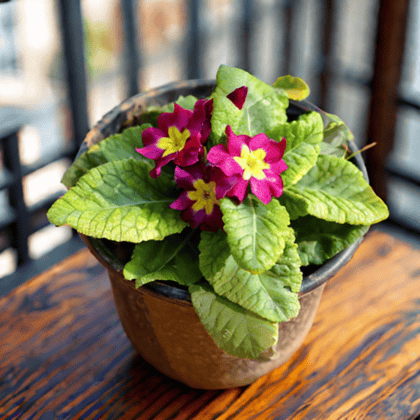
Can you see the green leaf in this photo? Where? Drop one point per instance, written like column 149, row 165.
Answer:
column 335, row 147
column 308, row 128
column 121, row 202
column 336, row 136
column 264, row 108
column 334, row 190
column 302, row 138
column 235, row 330
column 287, row 268
column 271, row 295
column 214, row 251
column 255, row 232
column 299, row 161
column 187, row 102
column 150, row 115
column 169, row 259
column 331, row 124
column 295, row 87
column 117, row 147
column 319, row 240
column 264, row 294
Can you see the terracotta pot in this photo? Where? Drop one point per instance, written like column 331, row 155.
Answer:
column 159, row 319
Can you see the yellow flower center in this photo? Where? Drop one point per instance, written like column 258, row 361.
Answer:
column 204, row 196
column 175, row 142
column 252, row 162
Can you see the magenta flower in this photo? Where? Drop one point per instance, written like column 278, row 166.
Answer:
column 179, row 137
column 253, row 160
column 238, row 96
column 204, row 186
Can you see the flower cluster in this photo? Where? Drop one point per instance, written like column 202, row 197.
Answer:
column 226, row 170
column 180, row 136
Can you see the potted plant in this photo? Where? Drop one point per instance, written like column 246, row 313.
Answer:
column 220, row 210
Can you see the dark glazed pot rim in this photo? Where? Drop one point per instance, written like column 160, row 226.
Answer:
column 116, row 120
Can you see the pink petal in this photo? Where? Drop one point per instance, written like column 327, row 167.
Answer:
column 238, row 96
column 260, row 141
column 182, row 202
column 212, row 222
column 151, row 152
column 218, row 156
column 179, row 119
column 278, row 167
column 239, row 190
column 197, row 170
column 205, row 131
column 282, row 145
column 272, row 185
column 273, row 178
column 160, row 163
column 235, row 142
column 190, row 153
column 223, row 183
column 197, row 118
column 154, row 173
column 184, row 179
column 151, row 135
column 261, row 189
column 192, row 217
column 275, row 151
column 200, row 119
column 277, row 188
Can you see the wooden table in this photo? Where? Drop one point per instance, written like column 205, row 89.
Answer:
column 64, row 355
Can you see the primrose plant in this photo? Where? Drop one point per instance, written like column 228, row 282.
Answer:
column 227, row 197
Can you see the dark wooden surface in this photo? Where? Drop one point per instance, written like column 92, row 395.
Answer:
column 64, row 355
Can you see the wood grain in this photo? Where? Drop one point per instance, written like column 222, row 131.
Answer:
column 63, row 353
column 362, row 357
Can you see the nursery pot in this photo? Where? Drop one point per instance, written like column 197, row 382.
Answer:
column 159, row 318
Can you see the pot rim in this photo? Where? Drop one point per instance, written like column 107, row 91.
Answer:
column 117, row 117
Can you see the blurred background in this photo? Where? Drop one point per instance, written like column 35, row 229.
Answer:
column 64, row 63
